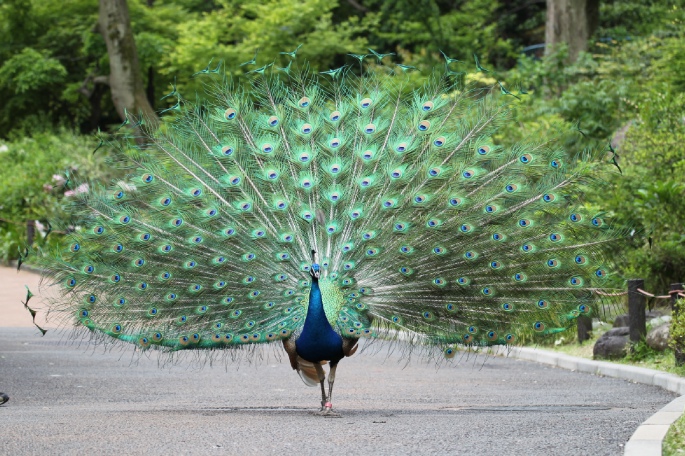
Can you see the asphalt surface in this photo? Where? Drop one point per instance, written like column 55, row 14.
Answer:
column 69, row 399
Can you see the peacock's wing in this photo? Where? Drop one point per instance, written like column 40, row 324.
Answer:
column 422, row 225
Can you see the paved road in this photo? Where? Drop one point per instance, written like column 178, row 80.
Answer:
column 69, row 399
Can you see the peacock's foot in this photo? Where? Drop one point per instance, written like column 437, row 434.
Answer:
column 327, row 411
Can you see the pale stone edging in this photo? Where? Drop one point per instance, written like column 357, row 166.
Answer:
column 648, row 438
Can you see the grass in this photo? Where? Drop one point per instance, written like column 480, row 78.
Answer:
column 674, row 443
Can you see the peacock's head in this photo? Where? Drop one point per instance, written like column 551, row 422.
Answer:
column 315, row 271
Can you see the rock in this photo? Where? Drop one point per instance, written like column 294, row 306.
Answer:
column 657, row 338
column 613, row 344
column 654, row 322
column 622, row 320
column 622, row 331
column 653, row 314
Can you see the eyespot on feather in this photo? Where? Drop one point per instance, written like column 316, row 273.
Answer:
column 230, row 114
column 483, row 150
column 304, row 102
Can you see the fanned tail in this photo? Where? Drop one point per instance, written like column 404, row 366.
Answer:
column 425, row 226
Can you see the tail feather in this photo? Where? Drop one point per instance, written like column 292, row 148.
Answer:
column 307, row 372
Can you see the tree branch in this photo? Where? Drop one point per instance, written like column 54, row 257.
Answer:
column 358, row 6
column 92, row 79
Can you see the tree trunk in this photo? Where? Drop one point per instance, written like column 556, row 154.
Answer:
column 96, row 106
column 572, row 22
column 125, row 79
column 151, row 86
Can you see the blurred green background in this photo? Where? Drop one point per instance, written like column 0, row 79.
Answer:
column 624, row 86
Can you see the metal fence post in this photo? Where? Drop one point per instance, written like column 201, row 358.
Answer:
column 636, row 310
column 678, row 349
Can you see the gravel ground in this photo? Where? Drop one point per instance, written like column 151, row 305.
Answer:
column 68, row 399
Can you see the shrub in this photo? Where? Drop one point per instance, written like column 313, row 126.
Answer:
column 33, row 181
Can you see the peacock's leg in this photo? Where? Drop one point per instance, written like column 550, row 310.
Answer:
column 327, row 410
column 326, row 406
column 322, row 378
column 331, row 379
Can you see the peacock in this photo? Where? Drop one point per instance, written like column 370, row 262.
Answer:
column 313, row 210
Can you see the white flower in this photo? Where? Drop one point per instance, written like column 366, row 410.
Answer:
column 40, row 227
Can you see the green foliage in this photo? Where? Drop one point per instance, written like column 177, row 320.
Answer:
column 677, row 330
column 236, row 31
column 58, row 50
column 43, row 55
column 30, row 71
column 640, row 351
column 419, row 29
column 33, row 181
column 650, row 195
column 26, row 79
column 626, row 19
column 629, row 94
column 10, row 242
column 674, row 442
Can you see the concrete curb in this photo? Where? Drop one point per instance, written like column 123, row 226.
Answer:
column 649, row 436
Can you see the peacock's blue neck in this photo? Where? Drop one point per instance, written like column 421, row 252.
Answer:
column 318, row 341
